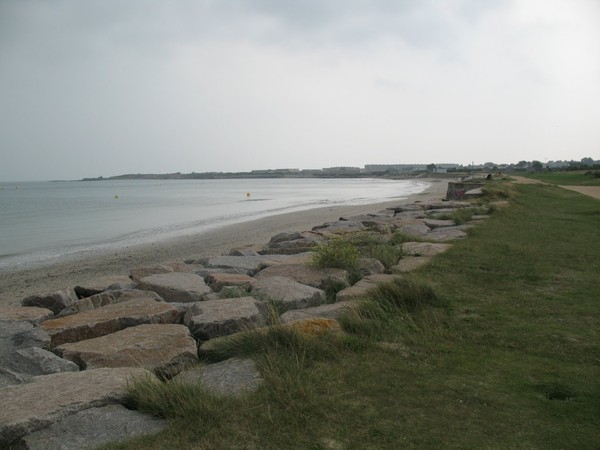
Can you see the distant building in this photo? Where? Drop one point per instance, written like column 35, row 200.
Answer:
column 275, row 171
column 394, row 168
column 342, row 170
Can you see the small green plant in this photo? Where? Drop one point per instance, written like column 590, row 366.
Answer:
column 337, row 253
column 388, row 254
column 399, row 237
column 461, row 215
column 378, row 246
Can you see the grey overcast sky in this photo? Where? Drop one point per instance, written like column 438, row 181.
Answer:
column 91, row 88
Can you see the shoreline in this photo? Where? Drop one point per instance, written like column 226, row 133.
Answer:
column 88, row 267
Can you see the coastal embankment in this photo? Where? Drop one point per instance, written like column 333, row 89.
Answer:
column 87, row 267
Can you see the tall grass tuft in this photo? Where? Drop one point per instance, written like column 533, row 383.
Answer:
column 396, row 307
column 175, row 400
column 338, row 253
column 499, row 191
column 405, row 294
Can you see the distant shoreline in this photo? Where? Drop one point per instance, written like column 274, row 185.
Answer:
column 261, row 175
column 88, row 267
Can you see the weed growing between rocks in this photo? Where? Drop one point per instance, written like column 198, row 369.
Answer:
column 344, row 252
column 337, row 253
column 176, row 400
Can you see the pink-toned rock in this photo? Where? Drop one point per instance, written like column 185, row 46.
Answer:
column 364, row 287
column 288, row 293
column 163, row 348
column 137, row 273
column 213, row 318
column 176, row 286
column 108, row 319
column 108, row 298
column 29, row 314
column 329, row 311
column 218, row 280
column 318, row 278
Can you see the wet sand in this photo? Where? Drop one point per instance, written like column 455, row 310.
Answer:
column 88, row 267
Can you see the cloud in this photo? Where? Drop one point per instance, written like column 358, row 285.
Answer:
column 101, row 88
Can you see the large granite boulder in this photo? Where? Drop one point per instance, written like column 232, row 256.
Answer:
column 340, row 227
column 20, row 366
column 292, row 247
column 164, row 348
column 108, row 298
column 49, row 398
column 328, row 311
column 407, row 207
column 55, row 301
column 31, row 314
column 92, row 428
column 288, row 293
column 250, row 264
column 137, row 273
column 176, row 286
column 235, row 376
column 318, row 278
column 219, row 280
column 437, row 223
column 412, row 227
column 410, row 263
column 19, row 358
column 370, row 266
column 363, row 288
column 285, row 236
column 104, row 284
column 16, row 335
column 447, row 234
column 108, row 319
column 424, row 248
column 213, row 318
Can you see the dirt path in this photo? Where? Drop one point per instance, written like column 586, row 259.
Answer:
column 590, row 191
column 524, row 180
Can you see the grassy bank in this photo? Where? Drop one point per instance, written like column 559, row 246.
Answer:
column 494, row 345
column 571, row 178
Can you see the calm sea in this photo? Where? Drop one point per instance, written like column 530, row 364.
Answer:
column 42, row 221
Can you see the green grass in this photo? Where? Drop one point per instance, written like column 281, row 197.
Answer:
column 338, row 253
column 571, row 178
column 503, row 352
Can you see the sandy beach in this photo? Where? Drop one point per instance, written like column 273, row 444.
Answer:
column 86, row 268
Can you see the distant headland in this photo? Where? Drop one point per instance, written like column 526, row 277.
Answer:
column 368, row 171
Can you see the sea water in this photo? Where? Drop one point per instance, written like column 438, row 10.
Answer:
column 43, row 221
